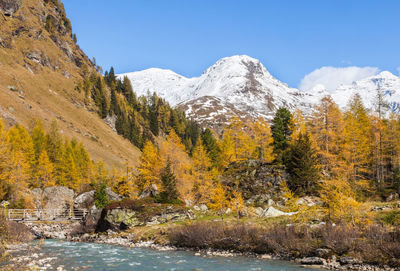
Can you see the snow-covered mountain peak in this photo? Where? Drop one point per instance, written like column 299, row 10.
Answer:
column 386, row 75
column 238, row 65
column 241, row 86
column 318, row 89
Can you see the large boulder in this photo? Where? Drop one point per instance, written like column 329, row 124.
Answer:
column 131, row 213
column 58, row 199
column 112, row 196
column 273, row 212
column 86, row 200
column 9, row 7
column 122, row 219
column 91, row 220
column 151, row 191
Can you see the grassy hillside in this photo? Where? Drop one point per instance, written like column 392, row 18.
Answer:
column 40, row 66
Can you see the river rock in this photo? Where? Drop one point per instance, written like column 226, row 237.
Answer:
column 312, row 261
column 349, row 260
column 323, row 253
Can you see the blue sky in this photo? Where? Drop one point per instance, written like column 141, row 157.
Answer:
column 292, row 38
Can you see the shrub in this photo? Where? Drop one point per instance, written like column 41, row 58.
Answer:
column 374, row 244
column 391, row 218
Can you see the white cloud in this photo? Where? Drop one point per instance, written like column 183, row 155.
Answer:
column 398, row 70
column 332, row 77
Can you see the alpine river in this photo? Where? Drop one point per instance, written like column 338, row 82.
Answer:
column 97, row 257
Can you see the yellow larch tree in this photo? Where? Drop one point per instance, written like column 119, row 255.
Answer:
column 44, row 171
column 327, row 127
column 203, row 174
column 358, row 138
column 219, row 201
column 126, row 182
column 236, row 202
column 237, row 140
column 340, row 203
column 149, row 167
column 298, row 125
column 174, row 151
column 263, row 140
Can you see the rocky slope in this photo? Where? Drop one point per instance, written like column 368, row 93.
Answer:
column 242, row 86
column 40, row 65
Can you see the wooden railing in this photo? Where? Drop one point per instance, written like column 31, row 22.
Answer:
column 44, row 214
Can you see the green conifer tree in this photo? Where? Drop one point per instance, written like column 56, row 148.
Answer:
column 168, row 181
column 301, row 164
column 281, row 131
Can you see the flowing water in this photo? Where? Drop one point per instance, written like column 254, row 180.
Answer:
column 97, row 257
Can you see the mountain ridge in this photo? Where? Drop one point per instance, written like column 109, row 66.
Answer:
column 241, row 86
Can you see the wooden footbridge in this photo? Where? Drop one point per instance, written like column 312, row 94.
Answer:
column 45, row 214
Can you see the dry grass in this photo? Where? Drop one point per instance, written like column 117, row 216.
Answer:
column 375, row 245
column 50, row 95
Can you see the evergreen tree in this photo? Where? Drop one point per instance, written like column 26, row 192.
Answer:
column 211, row 145
column 301, row 163
column 101, row 196
column 168, row 181
column 281, row 130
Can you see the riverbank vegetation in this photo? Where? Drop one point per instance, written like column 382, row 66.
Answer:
column 375, row 245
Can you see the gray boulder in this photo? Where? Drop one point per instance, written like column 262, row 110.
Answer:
column 349, row 260
column 258, row 211
column 323, row 253
column 54, row 200
column 112, row 196
column 272, row 212
column 312, row 261
column 149, row 191
column 203, row 208
column 34, row 56
column 84, row 200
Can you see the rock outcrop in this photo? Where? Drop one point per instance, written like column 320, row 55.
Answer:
column 59, row 198
column 86, row 200
column 258, row 181
column 131, row 213
column 9, row 7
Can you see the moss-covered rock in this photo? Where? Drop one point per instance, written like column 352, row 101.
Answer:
column 126, row 214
